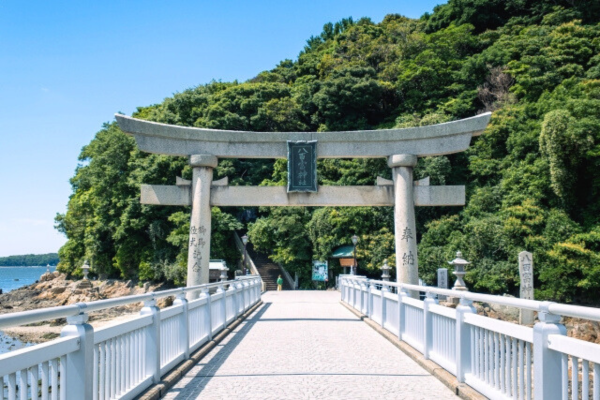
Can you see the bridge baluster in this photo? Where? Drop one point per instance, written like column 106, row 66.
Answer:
column 546, row 362
column 152, row 340
column 77, row 373
column 463, row 340
column 184, row 328
column 428, row 324
column 402, row 294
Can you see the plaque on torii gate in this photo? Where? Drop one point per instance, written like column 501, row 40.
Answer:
column 401, row 147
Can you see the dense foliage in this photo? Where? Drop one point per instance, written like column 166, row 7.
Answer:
column 532, row 178
column 28, row 260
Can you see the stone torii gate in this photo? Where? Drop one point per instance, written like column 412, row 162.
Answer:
column 401, row 147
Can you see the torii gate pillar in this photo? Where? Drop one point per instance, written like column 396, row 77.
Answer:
column 407, row 268
column 200, row 222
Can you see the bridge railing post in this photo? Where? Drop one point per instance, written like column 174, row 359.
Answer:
column 402, row 294
column 358, row 306
column 428, row 324
column 246, row 295
column 240, row 297
column 364, row 297
column 463, row 339
column 370, row 288
column 205, row 294
column 346, row 291
column 546, row 362
column 384, row 289
column 79, row 368
column 184, row 324
column 233, row 298
column 256, row 290
column 152, row 340
column 221, row 290
column 352, row 290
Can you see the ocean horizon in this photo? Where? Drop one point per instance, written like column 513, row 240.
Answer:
column 12, row 278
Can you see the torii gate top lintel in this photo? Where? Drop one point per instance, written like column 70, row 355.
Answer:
column 433, row 140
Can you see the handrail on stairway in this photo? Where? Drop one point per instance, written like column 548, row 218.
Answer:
column 240, row 245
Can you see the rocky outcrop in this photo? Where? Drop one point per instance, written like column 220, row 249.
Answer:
column 55, row 289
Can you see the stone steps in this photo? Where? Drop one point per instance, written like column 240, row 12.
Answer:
column 268, row 270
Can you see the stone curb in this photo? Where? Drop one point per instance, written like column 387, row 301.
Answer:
column 158, row 390
column 460, row 389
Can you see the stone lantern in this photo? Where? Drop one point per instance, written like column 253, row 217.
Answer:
column 223, row 276
column 86, row 269
column 47, row 276
column 459, row 270
column 386, row 271
column 85, row 282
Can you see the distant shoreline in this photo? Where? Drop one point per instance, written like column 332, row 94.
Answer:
column 28, row 260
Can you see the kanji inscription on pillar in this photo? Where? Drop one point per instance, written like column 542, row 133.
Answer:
column 442, row 281
column 406, row 234
column 526, row 274
column 526, row 317
column 302, row 166
column 197, row 246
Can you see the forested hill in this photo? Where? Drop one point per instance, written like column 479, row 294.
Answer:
column 533, row 177
column 28, row 260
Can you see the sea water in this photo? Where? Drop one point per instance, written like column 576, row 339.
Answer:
column 12, row 278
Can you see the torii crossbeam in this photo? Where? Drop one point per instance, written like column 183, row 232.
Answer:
column 401, row 147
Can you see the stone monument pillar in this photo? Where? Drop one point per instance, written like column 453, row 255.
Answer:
column 442, row 281
column 526, row 292
column 407, row 266
column 200, row 222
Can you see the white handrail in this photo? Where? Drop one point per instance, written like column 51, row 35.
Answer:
column 499, row 359
column 240, row 245
column 123, row 360
column 44, row 314
column 566, row 310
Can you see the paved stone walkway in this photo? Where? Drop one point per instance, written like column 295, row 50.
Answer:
column 306, row 345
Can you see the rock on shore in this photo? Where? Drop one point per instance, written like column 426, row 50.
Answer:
column 54, row 289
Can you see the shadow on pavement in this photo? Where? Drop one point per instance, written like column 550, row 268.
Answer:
column 218, row 359
column 310, row 319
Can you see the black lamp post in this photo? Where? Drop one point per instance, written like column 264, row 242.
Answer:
column 354, row 242
column 245, row 241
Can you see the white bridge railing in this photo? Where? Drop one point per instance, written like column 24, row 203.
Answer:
column 122, row 360
column 501, row 360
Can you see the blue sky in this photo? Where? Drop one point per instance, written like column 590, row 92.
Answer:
column 67, row 66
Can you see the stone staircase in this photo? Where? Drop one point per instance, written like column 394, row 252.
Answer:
column 268, row 270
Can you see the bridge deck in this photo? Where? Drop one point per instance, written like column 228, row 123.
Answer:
column 305, row 345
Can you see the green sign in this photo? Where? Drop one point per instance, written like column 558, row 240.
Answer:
column 319, row 272
column 302, row 166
